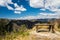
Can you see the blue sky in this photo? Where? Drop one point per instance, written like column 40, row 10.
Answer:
column 29, row 9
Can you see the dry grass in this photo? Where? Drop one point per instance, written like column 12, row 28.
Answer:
column 29, row 36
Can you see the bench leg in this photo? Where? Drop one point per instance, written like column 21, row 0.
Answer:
column 36, row 28
column 49, row 29
column 53, row 29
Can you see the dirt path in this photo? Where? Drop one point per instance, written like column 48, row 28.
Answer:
column 45, row 35
column 40, row 36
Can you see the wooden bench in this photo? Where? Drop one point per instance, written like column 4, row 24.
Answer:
column 50, row 27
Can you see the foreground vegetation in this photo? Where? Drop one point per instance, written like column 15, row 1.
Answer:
column 10, row 32
column 23, row 31
column 10, row 35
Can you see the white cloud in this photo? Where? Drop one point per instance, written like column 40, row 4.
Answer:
column 52, row 14
column 17, row 12
column 9, row 7
column 36, row 3
column 27, row 18
column 16, row 5
column 43, row 9
column 52, row 5
column 18, row 9
column 4, row 2
column 41, row 16
column 9, row 1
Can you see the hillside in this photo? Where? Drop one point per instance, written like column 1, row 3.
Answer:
column 25, row 29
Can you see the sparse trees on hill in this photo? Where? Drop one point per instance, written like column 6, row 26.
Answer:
column 3, row 22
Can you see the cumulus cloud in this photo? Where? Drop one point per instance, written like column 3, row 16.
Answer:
column 52, row 5
column 36, row 3
column 18, row 9
column 16, row 5
column 41, row 16
column 17, row 12
column 9, row 7
column 4, row 2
